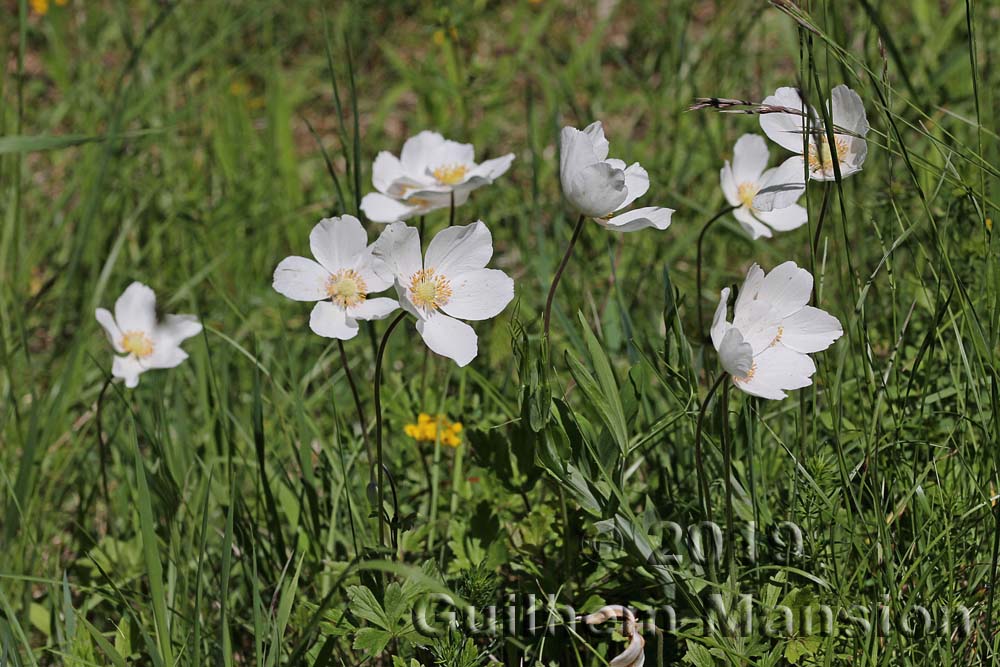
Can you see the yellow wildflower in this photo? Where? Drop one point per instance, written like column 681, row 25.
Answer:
column 431, row 429
column 40, row 7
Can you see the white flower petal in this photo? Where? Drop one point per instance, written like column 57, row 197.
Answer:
column 595, row 134
column 735, row 355
column 750, row 157
column 848, row 111
column 459, row 249
column 785, row 129
column 105, row 319
column 775, row 371
column 300, row 279
column 784, row 219
column 331, row 321
column 175, row 329
column 164, row 356
column 479, row 294
column 758, row 324
column 373, row 309
column 751, row 225
column 719, row 323
column 639, row 218
column 419, row 150
column 596, row 190
column 495, row 168
column 387, row 170
column 378, row 207
column 336, row 242
column 373, row 270
column 636, row 184
column 729, row 187
column 128, row 369
column 810, row 330
column 751, row 286
column 399, row 248
column 135, row 309
column 451, row 154
column 782, row 186
column 449, row 338
column 786, row 289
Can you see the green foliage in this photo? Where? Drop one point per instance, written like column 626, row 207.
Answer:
column 220, row 512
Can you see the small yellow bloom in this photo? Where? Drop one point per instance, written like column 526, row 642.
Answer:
column 40, row 7
column 439, row 37
column 434, row 429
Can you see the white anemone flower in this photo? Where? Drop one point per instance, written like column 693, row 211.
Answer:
column 765, row 349
column 850, row 125
column 451, row 281
column 425, row 176
column 599, row 187
column 144, row 343
column 634, row 654
column 339, row 281
column 747, row 176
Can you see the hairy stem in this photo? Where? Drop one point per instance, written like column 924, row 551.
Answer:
column 697, row 294
column 699, row 459
column 559, row 272
column 378, row 426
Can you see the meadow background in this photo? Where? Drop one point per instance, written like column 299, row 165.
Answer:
column 193, row 145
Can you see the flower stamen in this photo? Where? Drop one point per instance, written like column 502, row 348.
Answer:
column 428, row 290
column 821, row 159
column 346, row 288
column 450, row 174
column 746, row 192
column 137, row 343
column 749, row 375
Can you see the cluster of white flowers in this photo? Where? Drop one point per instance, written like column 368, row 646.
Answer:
column 764, row 349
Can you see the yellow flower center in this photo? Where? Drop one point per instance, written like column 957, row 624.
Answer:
column 137, row 343
column 746, row 192
column 821, row 159
column 450, row 174
column 749, row 375
column 346, row 288
column 429, row 290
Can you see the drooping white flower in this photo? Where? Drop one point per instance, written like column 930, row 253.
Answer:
column 792, row 131
column 634, row 654
column 341, row 279
column 765, row 349
column 450, row 283
column 422, row 179
column 144, row 343
column 599, row 187
column 747, row 176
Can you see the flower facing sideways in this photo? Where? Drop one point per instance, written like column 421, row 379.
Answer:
column 428, row 171
column 850, row 125
column 143, row 342
column 431, row 429
column 765, row 349
column 747, row 175
column 341, row 279
column 599, row 187
column 450, row 282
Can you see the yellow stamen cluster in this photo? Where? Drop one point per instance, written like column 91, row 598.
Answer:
column 137, row 343
column 429, row 290
column 749, row 375
column 821, row 159
column 346, row 288
column 450, row 174
column 746, row 192
column 777, row 338
column 430, row 429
